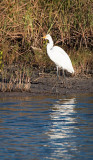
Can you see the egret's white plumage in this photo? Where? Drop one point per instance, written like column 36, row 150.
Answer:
column 58, row 56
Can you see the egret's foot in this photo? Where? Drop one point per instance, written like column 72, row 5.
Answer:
column 54, row 87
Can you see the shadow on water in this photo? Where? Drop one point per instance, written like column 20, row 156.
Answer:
column 46, row 128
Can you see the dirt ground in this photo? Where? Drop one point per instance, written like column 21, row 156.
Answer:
column 71, row 85
column 48, row 85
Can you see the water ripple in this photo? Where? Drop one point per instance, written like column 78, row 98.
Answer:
column 44, row 128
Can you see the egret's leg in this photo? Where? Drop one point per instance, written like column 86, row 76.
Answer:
column 57, row 74
column 64, row 82
column 56, row 81
column 64, row 74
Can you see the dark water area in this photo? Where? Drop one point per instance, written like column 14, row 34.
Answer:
column 45, row 128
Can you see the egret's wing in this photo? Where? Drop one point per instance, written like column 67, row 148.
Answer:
column 61, row 59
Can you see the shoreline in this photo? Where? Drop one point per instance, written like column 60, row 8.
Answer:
column 47, row 85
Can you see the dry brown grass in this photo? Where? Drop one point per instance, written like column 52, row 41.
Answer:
column 23, row 23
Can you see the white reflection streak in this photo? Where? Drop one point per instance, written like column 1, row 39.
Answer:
column 63, row 126
column 62, row 113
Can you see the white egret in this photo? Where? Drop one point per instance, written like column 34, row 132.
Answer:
column 58, row 56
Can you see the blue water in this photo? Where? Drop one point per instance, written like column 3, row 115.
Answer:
column 46, row 128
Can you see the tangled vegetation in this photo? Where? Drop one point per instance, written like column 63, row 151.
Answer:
column 23, row 23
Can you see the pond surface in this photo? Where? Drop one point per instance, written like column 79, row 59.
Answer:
column 46, row 128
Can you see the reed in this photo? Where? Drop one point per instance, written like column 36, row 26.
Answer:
column 15, row 78
column 23, row 23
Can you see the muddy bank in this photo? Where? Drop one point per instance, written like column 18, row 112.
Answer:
column 46, row 85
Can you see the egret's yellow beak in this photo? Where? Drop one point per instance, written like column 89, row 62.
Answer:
column 44, row 37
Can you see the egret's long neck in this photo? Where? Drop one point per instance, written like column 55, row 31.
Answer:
column 50, row 44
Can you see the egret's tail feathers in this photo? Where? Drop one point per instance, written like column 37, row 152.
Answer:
column 71, row 70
